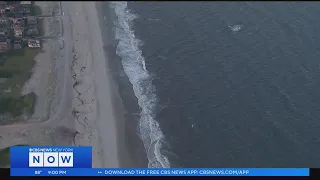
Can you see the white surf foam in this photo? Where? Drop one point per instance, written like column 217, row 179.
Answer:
column 134, row 67
column 235, row 28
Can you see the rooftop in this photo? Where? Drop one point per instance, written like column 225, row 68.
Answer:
column 3, row 40
column 25, row 2
column 17, row 46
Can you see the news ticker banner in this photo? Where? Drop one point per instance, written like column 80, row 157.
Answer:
column 159, row 172
column 77, row 161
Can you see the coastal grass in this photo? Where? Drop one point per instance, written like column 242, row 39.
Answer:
column 5, row 156
column 35, row 10
column 29, row 102
column 16, row 70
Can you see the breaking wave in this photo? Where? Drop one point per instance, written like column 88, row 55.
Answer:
column 134, row 67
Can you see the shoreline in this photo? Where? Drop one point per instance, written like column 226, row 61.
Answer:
column 130, row 146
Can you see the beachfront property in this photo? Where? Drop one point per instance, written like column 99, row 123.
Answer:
column 32, row 29
column 17, row 31
column 17, row 44
column 3, row 21
column 17, row 10
column 34, row 43
column 2, row 11
column 18, row 21
column 25, row 2
column 4, row 32
column 32, row 32
column 17, row 26
column 4, row 44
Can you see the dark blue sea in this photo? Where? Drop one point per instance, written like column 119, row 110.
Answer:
column 223, row 84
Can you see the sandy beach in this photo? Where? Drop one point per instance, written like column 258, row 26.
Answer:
column 104, row 121
column 95, row 119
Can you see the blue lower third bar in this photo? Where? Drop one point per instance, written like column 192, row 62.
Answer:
column 160, row 172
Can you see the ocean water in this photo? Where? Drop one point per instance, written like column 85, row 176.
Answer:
column 223, row 84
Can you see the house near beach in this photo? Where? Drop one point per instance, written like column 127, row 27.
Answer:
column 19, row 10
column 17, row 21
column 32, row 32
column 9, row 8
column 26, row 10
column 4, row 45
column 34, row 43
column 3, row 32
column 3, row 21
column 18, row 31
column 2, row 11
column 25, row 2
column 17, row 44
column 13, row 2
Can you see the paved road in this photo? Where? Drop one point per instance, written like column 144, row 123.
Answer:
column 65, row 103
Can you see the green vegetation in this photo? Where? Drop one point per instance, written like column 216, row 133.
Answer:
column 5, row 156
column 29, row 102
column 12, row 105
column 35, row 10
column 5, row 74
column 17, row 70
column 16, row 106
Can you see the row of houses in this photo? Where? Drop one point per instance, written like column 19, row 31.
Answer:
column 19, row 28
column 18, row 25
column 15, row 8
column 17, row 44
column 15, row 2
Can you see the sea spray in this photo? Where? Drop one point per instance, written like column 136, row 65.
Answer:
column 134, row 67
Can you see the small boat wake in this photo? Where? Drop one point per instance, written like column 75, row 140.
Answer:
column 235, row 28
